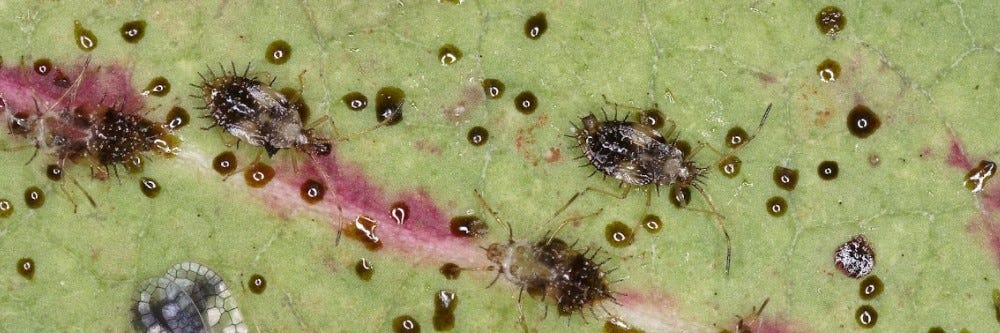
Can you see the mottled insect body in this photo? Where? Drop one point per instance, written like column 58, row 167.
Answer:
column 190, row 297
column 256, row 113
column 635, row 154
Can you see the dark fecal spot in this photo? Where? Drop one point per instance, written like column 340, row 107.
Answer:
column 786, row 178
column 976, row 179
column 54, row 172
column 61, row 80
column 652, row 118
column 258, row 175
column 34, row 197
column 777, row 206
column 730, row 166
column 312, row 191
column 830, row 20
column 6, row 208
column 828, row 170
column 526, row 102
column 21, row 124
column 468, row 226
column 828, row 70
column 135, row 164
column 478, row 136
column 405, row 324
column 224, row 163
column 363, row 230
column 399, row 211
column 652, row 223
column 278, row 52
column 26, row 267
column 866, row 316
column 615, row 325
column 535, row 26
column 618, row 234
column 450, row 271
column 364, row 269
column 855, row 258
column 149, row 187
column 936, row 329
column 389, row 105
column 445, row 302
column 493, row 88
column 133, row 31
column 870, row 287
column 448, row 54
column 996, row 303
column 85, row 39
column 43, row 66
column 874, row 160
column 177, row 117
column 862, row 122
column 158, row 86
column 299, row 103
column 680, row 196
column 736, row 137
column 684, row 147
column 355, row 100
column 257, row 284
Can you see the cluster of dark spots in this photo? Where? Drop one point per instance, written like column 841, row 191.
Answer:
column 6, row 208
column 828, row 170
column 257, row 284
column 224, row 163
column 777, row 206
column 389, row 105
column 785, row 178
column 526, row 102
column 866, row 316
column 493, row 88
column 862, row 122
column 478, row 136
column 258, row 175
column 828, row 70
column 85, row 39
column 177, row 117
column 977, row 177
column 312, row 191
column 445, row 302
column 26, row 268
column 468, row 226
column 158, row 86
column 278, row 52
column 618, row 234
column 870, row 287
column 450, row 271
column 536, row 25
column 652, row 223
column 150, row 188
column 133, row 31
column 405, row 324
column 399, row 211
column 364, row 269
column 830, row 20
column 355, row 100
column 855, row 258
column 42, row 66
column 34, row 197
column 363, row 230
column 449, row 53
column 54, row 172
column 256, row 113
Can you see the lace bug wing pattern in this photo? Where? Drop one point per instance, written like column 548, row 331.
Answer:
column 256, row 113
column 190, row 297
column 635, row 154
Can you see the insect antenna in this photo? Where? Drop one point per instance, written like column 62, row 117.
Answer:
column 733, row 152
column 510, row 231
column 718, row 220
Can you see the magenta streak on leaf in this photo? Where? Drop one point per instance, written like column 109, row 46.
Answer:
column 956, row 156
column 424, row 235
column 985, row 223
column 100, row 86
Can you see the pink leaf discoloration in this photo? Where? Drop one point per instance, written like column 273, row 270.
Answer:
column 81, row 85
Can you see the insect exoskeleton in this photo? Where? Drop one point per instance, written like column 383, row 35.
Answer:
column 254, row 112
